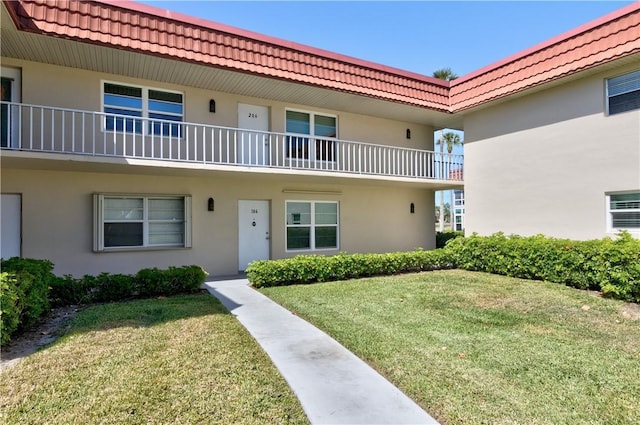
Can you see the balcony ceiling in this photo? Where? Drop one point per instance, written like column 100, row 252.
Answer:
column 62, row 52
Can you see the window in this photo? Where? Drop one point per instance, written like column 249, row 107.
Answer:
column 623, row 93
column 624, row 211
column 318, row 127
column 458, row 198
column 126, row 107
column 132, row 221
column 312, row 225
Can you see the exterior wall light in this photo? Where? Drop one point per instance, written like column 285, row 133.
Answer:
column 210, row 205
column 212, row 106
column 408, row 133
column 412, row 208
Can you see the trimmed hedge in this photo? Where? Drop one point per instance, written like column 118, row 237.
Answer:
column 608, row 265
column 173, row 281
column 28, row 288
column 10, row 306
column 146, row 283
column 315, row 268
column 24, row 294
column 611, row 266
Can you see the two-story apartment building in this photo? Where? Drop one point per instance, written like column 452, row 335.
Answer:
column 136, row 137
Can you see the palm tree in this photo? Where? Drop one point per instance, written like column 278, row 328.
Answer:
column 450, row 140
column 445, row 74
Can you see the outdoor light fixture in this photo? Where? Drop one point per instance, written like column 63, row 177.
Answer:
column 212, row 106
column 412, row 208
column 408, row 133
column 210, row 205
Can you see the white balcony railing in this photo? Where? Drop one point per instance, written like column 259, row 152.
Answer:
column 46, row 129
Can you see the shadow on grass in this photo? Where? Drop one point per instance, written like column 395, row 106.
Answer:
column 146, row 312
column 138, row 313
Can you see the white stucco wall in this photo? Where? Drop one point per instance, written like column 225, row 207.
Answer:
column 57, row 217
column 543, row 163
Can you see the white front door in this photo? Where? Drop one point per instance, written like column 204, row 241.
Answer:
column 10, row 225
column 253, row 232
column 9, row 114
column 253, row 146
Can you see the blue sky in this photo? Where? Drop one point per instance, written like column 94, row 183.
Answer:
column 418, row 36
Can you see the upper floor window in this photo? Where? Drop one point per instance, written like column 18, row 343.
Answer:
column 318, row 129
column 623, row 93
column 624, row 211
column 127, row 106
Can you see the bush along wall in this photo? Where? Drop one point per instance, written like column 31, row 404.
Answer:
column 28, row 288
column 608, row 265
column 315, row 268
column 24, row 290
column 107, row 287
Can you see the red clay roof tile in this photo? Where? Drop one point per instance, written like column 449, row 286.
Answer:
column 147, row 29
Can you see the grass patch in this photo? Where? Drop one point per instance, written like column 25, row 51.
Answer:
column 178, row 360
column 479, row 348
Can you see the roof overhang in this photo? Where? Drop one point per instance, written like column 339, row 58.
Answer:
column 130, row 39
column 140, row 41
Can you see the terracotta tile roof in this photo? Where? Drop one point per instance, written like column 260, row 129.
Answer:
column 136, row 27
column 457, row 174
column 611, row 37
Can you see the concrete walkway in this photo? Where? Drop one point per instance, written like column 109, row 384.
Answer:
column 333, row 385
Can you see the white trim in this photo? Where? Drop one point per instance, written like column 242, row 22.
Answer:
column 145, row 105
column 610, row 212
column 98, row 214
column 11, row 225
column 15, row 76
column 312, row 225
column 607, row 96
column 311, row 135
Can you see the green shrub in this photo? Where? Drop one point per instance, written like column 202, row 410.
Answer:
column 315, row 268
column 33, row 279
column 174, row 280
column 108, row 287
column 67, row 290
column 28, row 288
column 443, row 237
column 10, row 306
column 608, row 265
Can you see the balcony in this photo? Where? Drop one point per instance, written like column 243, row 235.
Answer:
column 32, row 128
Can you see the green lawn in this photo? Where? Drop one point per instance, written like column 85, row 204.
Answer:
column 476, row 348
column 181, row 360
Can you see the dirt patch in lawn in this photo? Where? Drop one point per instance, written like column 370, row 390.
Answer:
column 45, row 332
column 631, row 311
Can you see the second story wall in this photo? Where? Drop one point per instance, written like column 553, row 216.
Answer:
column 56, row 86
column 545, row 162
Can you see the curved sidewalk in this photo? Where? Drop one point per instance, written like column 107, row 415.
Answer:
column 333, row 385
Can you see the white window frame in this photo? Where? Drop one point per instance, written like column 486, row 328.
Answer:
column 98, row 219
column 611, row 212
column 631, row 89
column 312, row 137
column 312, row 226
column 145, row 108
